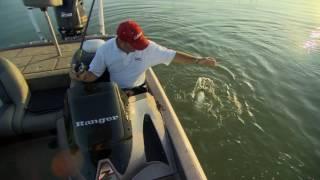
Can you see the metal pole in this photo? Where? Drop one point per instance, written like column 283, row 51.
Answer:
column 35, row 24
column 86, row 27
column 101, row 18
column 52, row 32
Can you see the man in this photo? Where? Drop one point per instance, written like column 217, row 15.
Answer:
column 129, row 55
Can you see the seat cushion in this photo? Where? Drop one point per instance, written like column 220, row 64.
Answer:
column 15, row 91
column 47, row 101
column 33, row 122
column 42, row 3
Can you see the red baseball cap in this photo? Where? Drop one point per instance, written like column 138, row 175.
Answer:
column 129, row 31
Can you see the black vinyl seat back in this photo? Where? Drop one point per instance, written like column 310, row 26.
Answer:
column 14, row 94
column 16, row 116
column 4, row 97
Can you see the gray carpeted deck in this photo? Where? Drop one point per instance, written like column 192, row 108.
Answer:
column 41, row 60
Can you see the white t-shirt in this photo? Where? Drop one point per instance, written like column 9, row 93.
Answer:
column 128, row 70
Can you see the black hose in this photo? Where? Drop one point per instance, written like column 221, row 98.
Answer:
column 86, row 28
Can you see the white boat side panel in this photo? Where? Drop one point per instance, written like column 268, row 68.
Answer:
column 148, row 106
column 137, row 157
column 191, row 165
column 138, row 108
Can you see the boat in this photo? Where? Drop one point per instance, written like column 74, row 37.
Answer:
column 51, row 130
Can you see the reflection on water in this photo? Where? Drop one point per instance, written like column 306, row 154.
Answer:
column 312, row 44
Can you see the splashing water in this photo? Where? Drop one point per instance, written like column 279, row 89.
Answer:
column 203, row 93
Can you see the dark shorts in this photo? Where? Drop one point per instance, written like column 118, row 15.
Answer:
column 137, row 90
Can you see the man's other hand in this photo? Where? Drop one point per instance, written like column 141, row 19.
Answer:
column 207, row 61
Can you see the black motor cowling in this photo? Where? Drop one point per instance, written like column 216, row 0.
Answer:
column 71, row 18
column 97, row 126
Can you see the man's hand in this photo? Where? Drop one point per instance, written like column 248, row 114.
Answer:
column 75, row 73
column 207, row 61
column 85, row 76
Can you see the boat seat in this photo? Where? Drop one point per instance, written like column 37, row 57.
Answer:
column 154, row 170
column 42, row 3
column 15, row 116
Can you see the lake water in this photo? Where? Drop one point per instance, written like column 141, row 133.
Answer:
column 255, row 116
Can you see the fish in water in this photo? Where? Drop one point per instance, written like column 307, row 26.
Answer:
column 200, row 97
column 203, row 92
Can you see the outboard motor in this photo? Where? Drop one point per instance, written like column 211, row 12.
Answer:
column 104, row 136
column 101, row 135
column 71, row 18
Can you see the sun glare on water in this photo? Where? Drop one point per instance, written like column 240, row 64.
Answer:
column 312, row 44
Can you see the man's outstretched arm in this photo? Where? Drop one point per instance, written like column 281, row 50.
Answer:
column 184, row 58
